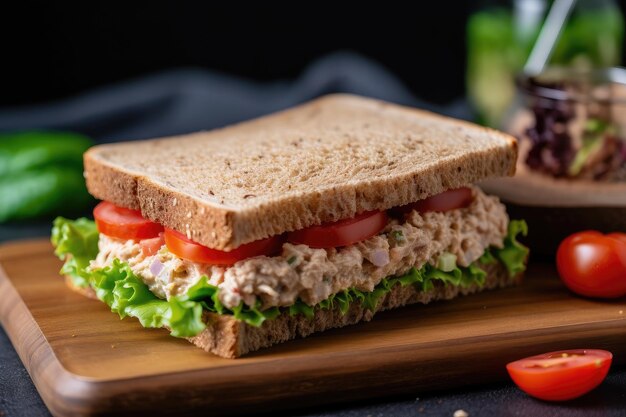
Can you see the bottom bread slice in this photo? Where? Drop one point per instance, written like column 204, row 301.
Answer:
column 230, row 338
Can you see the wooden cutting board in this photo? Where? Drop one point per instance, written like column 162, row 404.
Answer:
column 85, row 361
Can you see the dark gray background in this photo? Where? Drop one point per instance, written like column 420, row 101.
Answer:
column 183, row 101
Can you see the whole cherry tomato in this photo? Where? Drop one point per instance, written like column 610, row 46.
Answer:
column 593, row 264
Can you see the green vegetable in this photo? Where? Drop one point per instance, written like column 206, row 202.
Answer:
column 513, row 255
column 423, row 277
column 77, row 239
column 36, row 193
column 500, row 40
column 446, row 262
column 597, row 126
column 494, row 55
column 398, row 236
column 592, row 37
column 487, row 258
column 304, row 309
column 342, row 300
column 590, row 147
column 593, row 142
column 127, row 295
column 41, row 173
column 253, row 315
column 24, row 151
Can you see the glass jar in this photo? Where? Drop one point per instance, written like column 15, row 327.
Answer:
column 572, row 123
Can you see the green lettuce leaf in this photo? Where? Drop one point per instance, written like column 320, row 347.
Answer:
column 207, row 295
column 513, row 255
column 127, row 295
column 253, row 315
column 342, row 300
column 301, row 307
column 487, row 258
column 184, row 318
column 423, row 277
column 473, row 274
column 76, row 242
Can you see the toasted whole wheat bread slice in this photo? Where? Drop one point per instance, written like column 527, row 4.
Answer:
column 230, row 338
column 323, row 161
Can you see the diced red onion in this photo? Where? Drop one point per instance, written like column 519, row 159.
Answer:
column 379, row 257
column 156, row 267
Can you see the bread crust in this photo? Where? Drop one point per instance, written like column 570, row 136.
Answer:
column 86, row 291
column 323, row 161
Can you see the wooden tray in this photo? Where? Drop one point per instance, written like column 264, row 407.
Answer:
column 85, row 361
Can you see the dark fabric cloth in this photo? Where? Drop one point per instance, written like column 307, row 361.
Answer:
column 189, row 100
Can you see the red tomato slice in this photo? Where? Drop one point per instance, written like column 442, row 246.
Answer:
column 593, row 264
column 448, row 200
column 185, row 248
column 151, row 246
column 341, row 233
column 124, row 223
column 563, row 375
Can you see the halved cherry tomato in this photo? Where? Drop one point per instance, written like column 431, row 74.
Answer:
column 448, row 200
column 124, row 223
column 593, row 264
column 562, row 375
column 150, row 247
column 341, row 233
column 185, row 248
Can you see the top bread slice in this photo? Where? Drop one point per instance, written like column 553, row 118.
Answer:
column 322, row 161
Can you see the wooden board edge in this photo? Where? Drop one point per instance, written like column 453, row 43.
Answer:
column 298, row 388
column 53, row 382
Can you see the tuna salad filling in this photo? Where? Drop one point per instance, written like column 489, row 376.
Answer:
column 164, row 290
column 313, row 275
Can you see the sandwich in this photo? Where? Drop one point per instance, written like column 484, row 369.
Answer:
column 309, row 219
